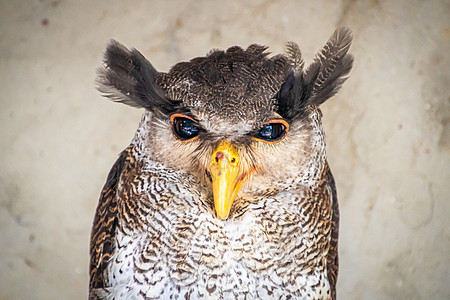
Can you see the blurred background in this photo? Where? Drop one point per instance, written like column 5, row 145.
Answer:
column 388, row 130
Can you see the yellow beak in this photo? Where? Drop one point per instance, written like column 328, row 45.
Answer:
column 227, row 178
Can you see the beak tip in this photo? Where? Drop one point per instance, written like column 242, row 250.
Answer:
column 222, row 217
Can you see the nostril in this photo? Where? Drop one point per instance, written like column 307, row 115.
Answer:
column 219, row 156
column 233, row 160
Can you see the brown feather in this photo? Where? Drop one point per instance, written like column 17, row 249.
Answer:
column 105, row 225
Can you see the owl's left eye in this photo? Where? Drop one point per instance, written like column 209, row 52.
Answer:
column 183, row 127
column 273, row 132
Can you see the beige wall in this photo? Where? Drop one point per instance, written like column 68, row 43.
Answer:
column 388, row 130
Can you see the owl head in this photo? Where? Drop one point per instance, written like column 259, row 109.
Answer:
column 240, row 121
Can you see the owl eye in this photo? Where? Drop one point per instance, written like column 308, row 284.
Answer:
column 183, row 127
column 273, row 132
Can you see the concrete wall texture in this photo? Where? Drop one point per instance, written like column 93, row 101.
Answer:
column 388, row 130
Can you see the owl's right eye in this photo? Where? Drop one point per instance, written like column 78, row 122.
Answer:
column 184, row 128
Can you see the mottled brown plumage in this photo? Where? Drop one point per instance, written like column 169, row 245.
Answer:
column 225, row 191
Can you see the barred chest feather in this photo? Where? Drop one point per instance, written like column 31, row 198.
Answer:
column 171, row 246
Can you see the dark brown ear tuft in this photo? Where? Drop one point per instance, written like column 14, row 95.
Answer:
column 129, row 78
column 322, row 79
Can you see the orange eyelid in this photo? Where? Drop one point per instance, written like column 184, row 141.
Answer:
column 178, row 115
column 286, row 124
column 280, row 121
column 185, row 141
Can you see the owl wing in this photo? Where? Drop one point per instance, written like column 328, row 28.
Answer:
column 332, row 257
column 105, row 225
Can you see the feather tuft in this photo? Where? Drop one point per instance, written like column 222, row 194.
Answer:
column 295, row 55
column 129, row 78
column 321, row 80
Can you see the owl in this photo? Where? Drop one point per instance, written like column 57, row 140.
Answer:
column 225, row 191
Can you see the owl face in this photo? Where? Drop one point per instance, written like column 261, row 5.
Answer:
column 238, row 120
column 227, row 130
